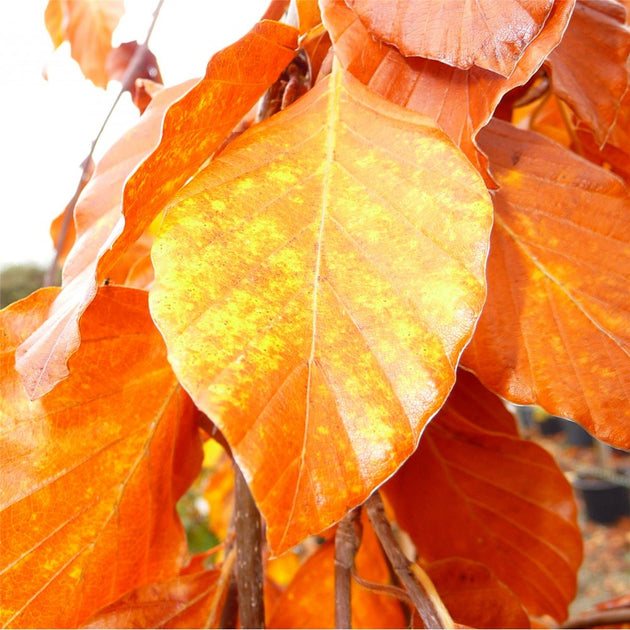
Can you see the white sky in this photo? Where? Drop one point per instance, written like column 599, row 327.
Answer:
column 46, row 127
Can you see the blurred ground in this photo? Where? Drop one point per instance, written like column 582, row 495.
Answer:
column 605, row 572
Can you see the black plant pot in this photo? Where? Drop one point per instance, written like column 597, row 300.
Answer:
column 551, row 425
column 605, row 501
column 576, row 434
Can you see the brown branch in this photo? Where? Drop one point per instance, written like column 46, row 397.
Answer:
column 249, row 569
column 347, row 541
column 605, row 618
column 419, row 587
column 126, row 83
column 213, row 432
column 229, row 614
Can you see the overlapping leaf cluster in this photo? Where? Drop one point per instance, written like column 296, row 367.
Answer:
column 321, row 285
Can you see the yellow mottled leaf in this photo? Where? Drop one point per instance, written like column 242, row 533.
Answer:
column 316, row 285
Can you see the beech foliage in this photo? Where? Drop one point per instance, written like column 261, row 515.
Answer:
column 329, row 261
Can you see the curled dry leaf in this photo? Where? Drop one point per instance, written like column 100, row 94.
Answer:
column 145, row 66
column 326, row 291
column 95, row 466
column 486, row 495
column 461, row 101
column 192, row 130
column 88, row 26
column 120, row 57
column 555, row 328
column 487, row 34
column 589, row 68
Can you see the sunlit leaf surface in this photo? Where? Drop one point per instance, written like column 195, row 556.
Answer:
column 461, row 101
column 555, row 330
column 487, row 34
column 316, row 285
column 91, row 472
column 486, row 495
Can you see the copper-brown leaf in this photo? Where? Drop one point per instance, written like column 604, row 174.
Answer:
column 130, row 63
column 194, row 126
column 489, row 496
column 474, row 596
column 91, row 472
column 333, row 269
column 488, row 34
column 555, row 329
column 461, row 101
column 88, row 26
column 589, row 68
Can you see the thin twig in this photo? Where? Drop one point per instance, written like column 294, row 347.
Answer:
column 249, row 569
column 347, row 541
column 383, row 589
column 605, row 618
column 419, row 587
column 132, row 69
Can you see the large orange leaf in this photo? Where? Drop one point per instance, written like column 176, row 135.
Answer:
column 461, row 101
column 589, row 68
column 194, row 126
column 91, row 472
column 489, row 496
column 487, row 34
column 309, row 600
column 316, row 284
column 474, row 596
column 88, row 26
column 555, row 330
